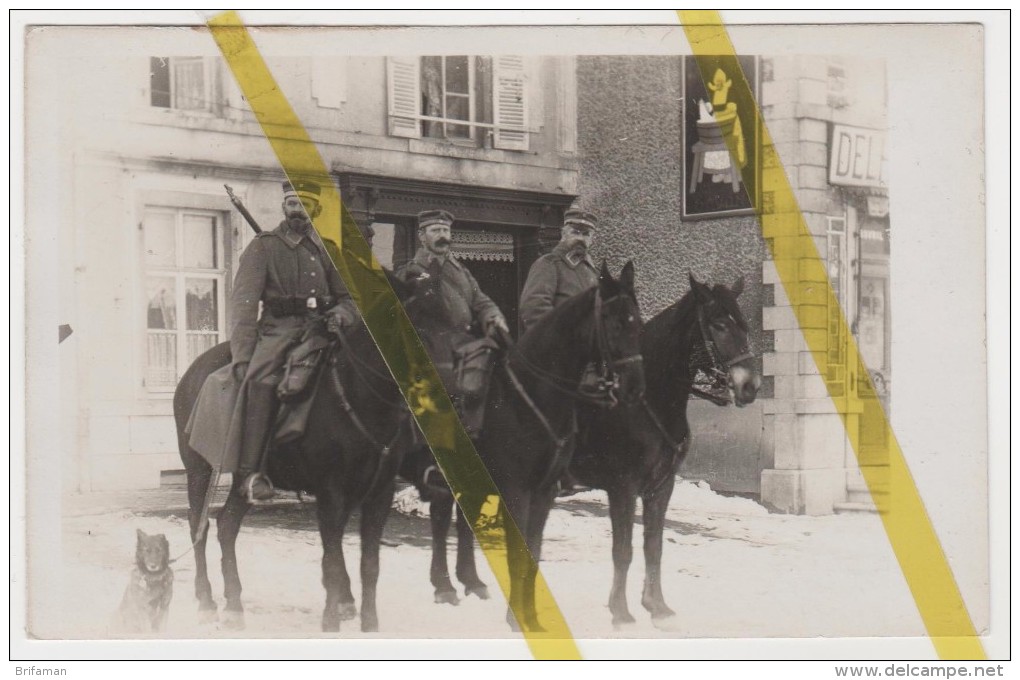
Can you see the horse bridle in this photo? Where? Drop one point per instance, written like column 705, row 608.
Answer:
column 608, row 377
column 718, row 368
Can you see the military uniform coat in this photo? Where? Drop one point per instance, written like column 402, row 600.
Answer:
column 463, row 296
column 553, row 278
column 277, row 264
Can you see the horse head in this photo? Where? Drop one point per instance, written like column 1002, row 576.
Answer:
column 617, row 328
column 724, row 333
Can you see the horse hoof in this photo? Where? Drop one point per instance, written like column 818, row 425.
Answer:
column 447, row 597
column 622, row 620
column 667, row 624
column 233, row 619
column 331, row 623
column 659, row 610
column 535, row 627
column 208, row 616
column 348, row 611
column 369, row 624
column 481, row 591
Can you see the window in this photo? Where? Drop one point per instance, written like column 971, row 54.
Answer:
column 184, row 83
column 836, row 262
column 464, row 99
column 184, row 280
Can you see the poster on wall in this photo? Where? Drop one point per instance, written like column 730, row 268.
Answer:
column 720, row 138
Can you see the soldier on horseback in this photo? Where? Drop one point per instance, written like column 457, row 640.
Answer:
column 557, row 276
column 288, row 273
column 468, row 306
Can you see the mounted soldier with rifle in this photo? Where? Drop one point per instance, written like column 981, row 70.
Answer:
column 284, row 275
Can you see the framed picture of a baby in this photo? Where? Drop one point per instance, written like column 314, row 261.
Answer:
column 721, row 138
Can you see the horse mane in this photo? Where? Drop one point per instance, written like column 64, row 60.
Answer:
column 725, row 298
column 568, row 314
column 662, row 334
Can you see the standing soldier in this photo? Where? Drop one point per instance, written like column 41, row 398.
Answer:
column 289, row 271
column 558, row 276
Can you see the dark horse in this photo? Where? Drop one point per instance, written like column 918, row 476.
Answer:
column 529, row 433
column 635, row 449
column 358, row 430
column 441, row 503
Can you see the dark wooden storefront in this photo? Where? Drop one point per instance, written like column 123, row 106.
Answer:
column 498, row 233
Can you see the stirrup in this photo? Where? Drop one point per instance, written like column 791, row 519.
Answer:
column 439, row 487
column 248, row 489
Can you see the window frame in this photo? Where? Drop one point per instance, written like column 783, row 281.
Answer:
column 487, row 81
column 180, row 274
column 212, row 95
column 444, row 121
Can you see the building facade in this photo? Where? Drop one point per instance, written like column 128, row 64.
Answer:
column 653, row 167
column 150, row 240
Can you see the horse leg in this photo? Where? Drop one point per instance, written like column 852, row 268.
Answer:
column 654, row 516
column 541, row 504
column 467, row 572
column 198, row 488
column 440, row 514
column 333, row 514
column 621, row 512
column 374, row 512
column 516, row 557
column 228, row 525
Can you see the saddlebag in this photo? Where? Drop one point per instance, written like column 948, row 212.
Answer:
column 472, row 367
column 302, row 366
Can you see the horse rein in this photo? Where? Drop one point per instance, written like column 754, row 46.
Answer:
column 719, row 369
column 608, row 376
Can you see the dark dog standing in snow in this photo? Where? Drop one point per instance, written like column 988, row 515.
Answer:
column 146, row 601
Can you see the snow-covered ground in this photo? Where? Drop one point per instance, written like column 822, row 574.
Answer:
column 730, row 569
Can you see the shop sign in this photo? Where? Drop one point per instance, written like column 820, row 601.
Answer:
column 856, row 157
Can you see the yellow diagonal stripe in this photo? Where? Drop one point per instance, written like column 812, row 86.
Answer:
column 386, row 321
column 906, row 522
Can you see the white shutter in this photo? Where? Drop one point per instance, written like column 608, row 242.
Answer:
column 509, row 103
column 404, row 95
column 329, row 81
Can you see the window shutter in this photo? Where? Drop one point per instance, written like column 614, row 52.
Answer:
column 509, row 104
column 404, row 96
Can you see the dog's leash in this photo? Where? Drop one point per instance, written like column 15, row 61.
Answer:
column 203, row 517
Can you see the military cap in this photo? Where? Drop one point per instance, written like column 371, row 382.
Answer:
column 427, row 218
column 580, row 218
column 302, row 189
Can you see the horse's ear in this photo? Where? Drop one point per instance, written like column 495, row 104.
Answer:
column 627, row 276
column 604, row 274
column 141, row 534
column 700, row 289
column 738, row 286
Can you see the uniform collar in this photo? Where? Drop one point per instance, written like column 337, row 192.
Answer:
column 423, row 257
column 291, row 237
column 570, row 258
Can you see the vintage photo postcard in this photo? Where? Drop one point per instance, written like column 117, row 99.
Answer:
column 696, row 328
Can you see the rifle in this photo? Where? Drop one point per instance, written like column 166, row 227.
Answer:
column 241, row 209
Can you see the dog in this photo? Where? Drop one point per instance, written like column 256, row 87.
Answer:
column 146, row 601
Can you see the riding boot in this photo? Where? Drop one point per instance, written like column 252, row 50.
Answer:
column 259, row 418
